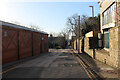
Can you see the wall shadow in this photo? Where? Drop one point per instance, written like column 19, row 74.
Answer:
column 89, row 61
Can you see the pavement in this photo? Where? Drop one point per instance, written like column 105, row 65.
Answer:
column 103, row 70
column 57, row 64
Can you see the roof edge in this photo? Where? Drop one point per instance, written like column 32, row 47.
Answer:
column 21, row 27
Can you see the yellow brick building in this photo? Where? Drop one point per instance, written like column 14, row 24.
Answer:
column 110, row 28
column 110, row 31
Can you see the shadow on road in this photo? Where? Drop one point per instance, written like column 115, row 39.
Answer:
column 89, row 61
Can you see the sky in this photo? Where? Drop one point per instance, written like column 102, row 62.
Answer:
column 51, row 17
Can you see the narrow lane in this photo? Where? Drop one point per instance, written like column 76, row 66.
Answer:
column 59, row 63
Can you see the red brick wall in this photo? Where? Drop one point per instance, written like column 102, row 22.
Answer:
column 18, row 43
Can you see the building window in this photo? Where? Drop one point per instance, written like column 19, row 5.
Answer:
column 106, row 39
column 109, row 14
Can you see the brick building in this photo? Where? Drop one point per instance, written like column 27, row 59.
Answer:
column 109, row 34
column 20, row 42
column 104, row 45
column 110, row 28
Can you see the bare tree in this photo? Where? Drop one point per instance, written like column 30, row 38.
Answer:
column 73, row 24
column 65, row 33
column 91, row 24
column 54, row 34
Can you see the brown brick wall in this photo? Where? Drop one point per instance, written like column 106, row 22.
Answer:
column 18, row 43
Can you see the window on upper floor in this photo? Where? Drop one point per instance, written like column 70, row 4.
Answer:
column 109, row 14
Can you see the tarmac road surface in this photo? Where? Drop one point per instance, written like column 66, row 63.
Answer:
column 58, row 63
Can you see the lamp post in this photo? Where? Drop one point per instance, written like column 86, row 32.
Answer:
column 92, row 10
column 93, row 31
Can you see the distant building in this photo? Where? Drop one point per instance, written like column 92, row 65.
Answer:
column 57, row 42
